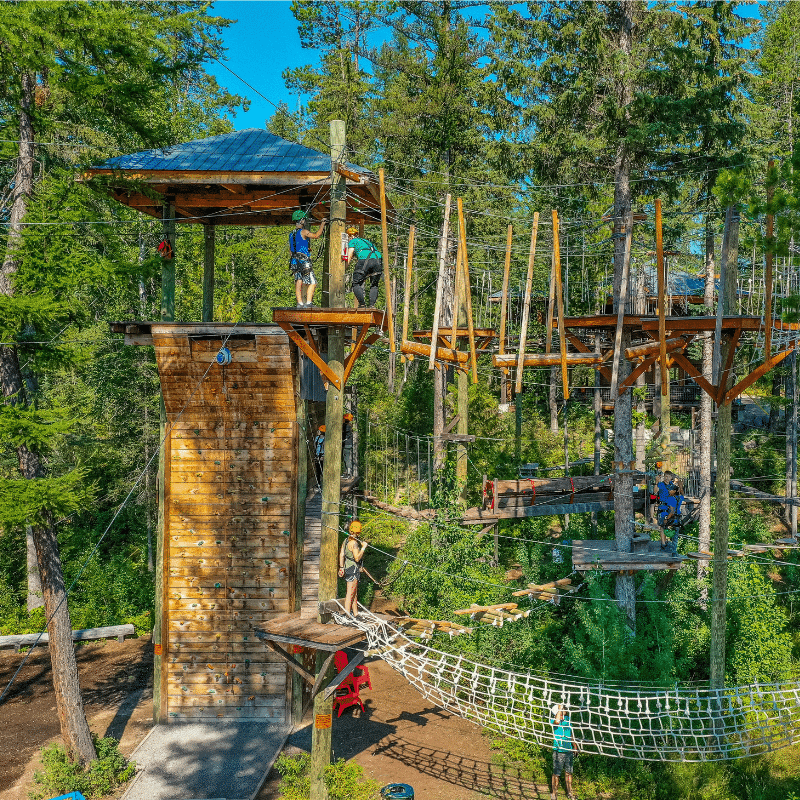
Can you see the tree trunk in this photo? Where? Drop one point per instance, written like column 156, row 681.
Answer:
column 440, row 372
column 723, row 484
column 552, row 397
column 71, row 716
column 623, row 423
column 706, row 409
column 35, row 597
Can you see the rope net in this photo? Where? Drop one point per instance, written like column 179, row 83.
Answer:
column 642, row 723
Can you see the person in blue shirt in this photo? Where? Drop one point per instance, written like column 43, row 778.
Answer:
column 300, row 265
column 564, row 749
column 670, row 498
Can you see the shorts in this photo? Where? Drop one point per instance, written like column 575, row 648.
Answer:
column 308, row 278
column 371, row 268
column 352, row 573
column 562, row 761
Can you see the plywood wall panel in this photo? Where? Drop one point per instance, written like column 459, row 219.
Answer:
column 233, row 442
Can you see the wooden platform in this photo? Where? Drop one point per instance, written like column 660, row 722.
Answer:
column 590, row 554
column 293, row 629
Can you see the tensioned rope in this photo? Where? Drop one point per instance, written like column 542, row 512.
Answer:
column 645, row 724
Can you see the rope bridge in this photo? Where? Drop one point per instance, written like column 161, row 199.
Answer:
column 645, row 723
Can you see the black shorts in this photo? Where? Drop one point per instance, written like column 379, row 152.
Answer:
column 352, row 573
column 562, row 761
column 371, row 268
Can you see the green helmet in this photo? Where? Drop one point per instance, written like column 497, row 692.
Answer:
column 298, row 215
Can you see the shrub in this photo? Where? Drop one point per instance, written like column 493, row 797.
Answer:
column 61, row 775
column 344, row 780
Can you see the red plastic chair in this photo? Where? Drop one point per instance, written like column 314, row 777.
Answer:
column 358, row 677
column 346, row 696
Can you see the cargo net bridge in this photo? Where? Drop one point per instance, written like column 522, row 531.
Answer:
column 642, row 723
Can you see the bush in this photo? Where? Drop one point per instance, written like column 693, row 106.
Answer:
column 345, row 779
column 61, row 775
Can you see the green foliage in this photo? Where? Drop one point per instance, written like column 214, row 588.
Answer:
column 61, row 775
column 758, row 646
column 344, row 780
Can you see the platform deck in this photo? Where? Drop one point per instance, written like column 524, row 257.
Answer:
column 593, row 553
column 292, row 629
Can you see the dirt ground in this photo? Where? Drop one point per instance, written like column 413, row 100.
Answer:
column 400, row 738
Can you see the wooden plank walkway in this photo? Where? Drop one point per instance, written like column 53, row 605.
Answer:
column 311, row 547
column 593, row 553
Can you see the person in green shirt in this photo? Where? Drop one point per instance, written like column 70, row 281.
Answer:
column 563, row 749
column 367, row 264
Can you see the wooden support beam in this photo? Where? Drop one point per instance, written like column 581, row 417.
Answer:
column 313, row 354
column 322, row 674
column 723, row 377
column 342, row 676
column 692, row 372
column 548, row 359
column 647, row 349
column 578, row 344
column 758, row 372
column 504, row 294
column 468, row 290
column 560, row 294
column 447, row 354
column 527, row 307
column 456, row 292
column 437, row 310
column 662, row 300
column 637, row 371
column 387, row 279
column 307, row 676
column 358, row 347
column 409, row 270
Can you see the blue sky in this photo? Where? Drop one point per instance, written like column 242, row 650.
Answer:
column 260, row 45
column 263, row 42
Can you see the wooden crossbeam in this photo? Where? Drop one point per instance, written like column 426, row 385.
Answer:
column 692, row 372
column 723, row 376
column 637, row 371
column 578, row 344
column 342, row 676
column 758, row 372
column 307, row 676
column 358, row 348
column 312, row 352
column 323, row 672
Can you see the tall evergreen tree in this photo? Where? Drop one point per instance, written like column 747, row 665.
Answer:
column 92, row 72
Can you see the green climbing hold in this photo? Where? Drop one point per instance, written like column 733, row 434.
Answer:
column 217, row 585
column 265, row 499
column 286, row 533
column 201, row 542
column 196, row 431
column 217, row 462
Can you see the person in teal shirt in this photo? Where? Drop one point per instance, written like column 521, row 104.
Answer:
column 367, row 264
column 563, row 749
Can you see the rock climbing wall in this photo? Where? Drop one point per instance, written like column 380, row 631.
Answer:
column 230, row 549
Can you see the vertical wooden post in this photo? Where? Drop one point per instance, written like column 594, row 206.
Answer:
column 723, row 276
column 523, row 334
column 504, row 310
column 467, row 291
column 456, row 298
column 385, row 250
column 723, row 483
column 560, row 293
column 160, row 616
column 437, row 310
column 409, row 272
column 598, row 429
column 768, row 276
column 332, row 465
column 208, row 272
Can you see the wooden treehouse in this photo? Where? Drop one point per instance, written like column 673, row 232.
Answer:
column 239, row 533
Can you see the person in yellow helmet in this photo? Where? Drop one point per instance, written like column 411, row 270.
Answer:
column 367, row 262
column 351, row 555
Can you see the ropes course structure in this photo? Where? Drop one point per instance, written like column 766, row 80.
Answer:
column 642, row 723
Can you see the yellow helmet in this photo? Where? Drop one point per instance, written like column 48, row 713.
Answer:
column 352, row 230
column 355, row 527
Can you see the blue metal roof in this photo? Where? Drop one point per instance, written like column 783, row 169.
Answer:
column 250, row 150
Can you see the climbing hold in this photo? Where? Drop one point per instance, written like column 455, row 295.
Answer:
column 265, row 499
column 217, row 585
column 197, row 431
column 286, row 533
